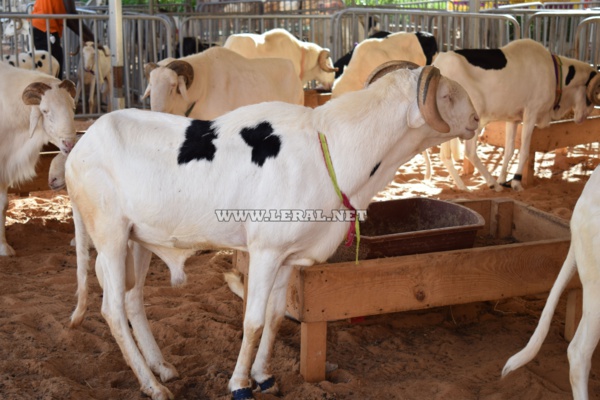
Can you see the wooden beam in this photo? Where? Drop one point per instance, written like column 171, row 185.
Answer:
column 558, row 135
column 387, row 285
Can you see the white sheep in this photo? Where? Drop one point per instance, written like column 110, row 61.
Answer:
column 18, row 27
column 42, row 61
column 142, row 182
column 35, row 109
column 520, row 82
column 311, row 61
column 583, row 258
column 208, row 84
column 417, row 47
column 97, row 70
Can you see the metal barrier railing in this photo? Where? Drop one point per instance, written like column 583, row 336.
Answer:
column 556, row 29
column 153, row 39
column 216, row 28
column 587, row 41
column 451, row 30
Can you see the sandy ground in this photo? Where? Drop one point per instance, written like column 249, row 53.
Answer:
column 454, row 352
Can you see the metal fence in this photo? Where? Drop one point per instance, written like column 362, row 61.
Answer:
column 451, row 30
column 587, row 41
column 151, row 38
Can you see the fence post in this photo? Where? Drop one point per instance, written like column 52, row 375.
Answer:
column 115, row 26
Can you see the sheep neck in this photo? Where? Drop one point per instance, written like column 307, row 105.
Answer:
column 354, row 228
column 556, row 61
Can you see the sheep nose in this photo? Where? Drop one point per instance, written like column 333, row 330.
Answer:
column 68, row 145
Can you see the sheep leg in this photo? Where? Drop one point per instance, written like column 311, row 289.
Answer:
column 112, row 255
column 83, row 262
column 275, row 313
column 509, row 150
column 109, row 90
column 471, row 155
column 262, row 273
column 5, row 248
column 134, row 303
column 585, row 341
column 92, row 93
column 446, row 157
column 526, row 133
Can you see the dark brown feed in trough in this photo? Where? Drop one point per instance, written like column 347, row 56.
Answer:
column 413, row 226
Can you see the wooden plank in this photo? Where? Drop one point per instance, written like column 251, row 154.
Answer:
column 345, row 290
column 314, row 98
column 503, row 210
column 531, row 224
column 483, row 208
column 557, row 135
column 313, row 350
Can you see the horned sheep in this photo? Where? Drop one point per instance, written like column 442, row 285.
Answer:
column 521, row 81
column 583, row 258
column 36, row 109
column 311, row 61
column 97, row 70
column 267, row 156
column 208, row 84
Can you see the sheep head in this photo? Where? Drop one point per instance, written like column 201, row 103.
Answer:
column 53, row 104
column 324, row 72
column 593, row 90
column 167, row 86
column 430, row 96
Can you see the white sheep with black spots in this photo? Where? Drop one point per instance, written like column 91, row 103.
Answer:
column 142, row 182
column 520, row 82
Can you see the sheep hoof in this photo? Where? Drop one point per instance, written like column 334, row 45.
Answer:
column 158, row 393
column 7, row 250
column 242, row 394
column 268, row 386
column 167, row 371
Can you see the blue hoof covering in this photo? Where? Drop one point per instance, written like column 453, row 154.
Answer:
column 267, row 384
column 242, row 394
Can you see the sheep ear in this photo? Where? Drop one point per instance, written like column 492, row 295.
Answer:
column 147, row 92
column 34, row 118
column 182, row 87
column 414, row 118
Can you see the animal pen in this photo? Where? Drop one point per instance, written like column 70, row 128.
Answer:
column 400, row 283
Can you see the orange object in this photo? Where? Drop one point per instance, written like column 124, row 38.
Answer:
column 49, row 7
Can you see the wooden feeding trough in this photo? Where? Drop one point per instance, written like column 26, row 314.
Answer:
column 535, row 246
column 410, row 226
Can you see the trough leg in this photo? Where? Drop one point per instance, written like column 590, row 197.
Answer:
column 313, row 350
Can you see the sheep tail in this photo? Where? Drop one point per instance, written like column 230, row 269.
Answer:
column 567, row 272
column 82, row 246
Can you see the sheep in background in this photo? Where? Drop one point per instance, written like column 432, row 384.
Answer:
column 419, row 48
column 35, row 109
column 97, row 70
column 42, row 62
column 311, row 61
column 521, row 81
column 218, row 80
